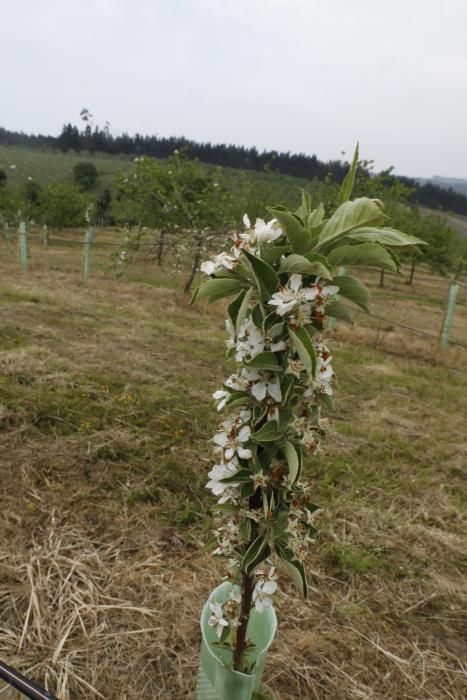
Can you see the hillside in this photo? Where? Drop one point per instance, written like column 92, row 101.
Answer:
column 300, row 165
column 456, row 183
column 45, row 165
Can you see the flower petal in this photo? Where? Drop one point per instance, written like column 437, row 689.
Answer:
column 259, row 390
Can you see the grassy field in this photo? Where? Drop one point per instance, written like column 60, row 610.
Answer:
column 46, row 166
column 105, row 420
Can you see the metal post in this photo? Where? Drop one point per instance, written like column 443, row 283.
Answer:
column 448, row 316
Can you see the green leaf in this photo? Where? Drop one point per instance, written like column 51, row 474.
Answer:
column 265, row 277
column 299, row 238
column 269, row 432
column 264, row 360
column 247, row 489
column 312, row 264
column 304, row 209
column 371, row 254
column 302, row 343
column 316, row 217
column 349, row 180
column 272, row 326
column 384, row 236
column 242, row 476
column 234, row 307
column 287, row 386
column 237, row 398
column 257, row 552
column 279, row 524
column 238, row 308
column 294, row 461
column 244, row 530
column 336, row 309
column 257, row 316
column 266, row 455
column 327, row 400
column 284, row 418
column 353, row 289
column 350, row 215
column 272, row 253
column 294, row 568
column 214, row 289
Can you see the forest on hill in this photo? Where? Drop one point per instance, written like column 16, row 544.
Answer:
column 93, row 139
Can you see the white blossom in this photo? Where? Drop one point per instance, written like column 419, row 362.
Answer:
column 324, row 372
column 219, row 472
column 292, row 295
column 238, row 381
column 278, row 346
column 295, row 367
column 217, row 619
column 271, row 338
column 264, row 590
column 266, row 232
column 250, row 341
column 221, row 396
column 210, row 267
column 310, row 440
column 231, row 442
column 296, row 298
column 262, row 385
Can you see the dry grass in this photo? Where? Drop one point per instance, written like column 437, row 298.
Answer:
column 103, row 445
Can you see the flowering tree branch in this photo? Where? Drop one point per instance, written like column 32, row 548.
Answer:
column 281, row 274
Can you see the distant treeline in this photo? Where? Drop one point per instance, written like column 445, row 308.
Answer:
column 96, row 140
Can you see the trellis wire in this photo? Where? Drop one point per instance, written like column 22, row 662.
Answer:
column 417, row 331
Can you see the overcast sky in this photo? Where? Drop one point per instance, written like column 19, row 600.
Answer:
column 310, row 76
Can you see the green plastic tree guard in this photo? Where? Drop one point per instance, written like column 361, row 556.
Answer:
column 215, row 680
column 88, row 238
column 23, row 247
column 448, row 316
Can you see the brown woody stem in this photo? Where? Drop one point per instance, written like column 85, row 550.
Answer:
column 245, row 608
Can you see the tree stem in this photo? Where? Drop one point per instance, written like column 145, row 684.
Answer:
column 160, row 248
column 194, row 267
column 245, row 608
